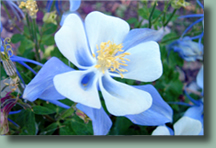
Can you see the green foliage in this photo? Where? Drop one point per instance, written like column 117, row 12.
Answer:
column 40, row 110
column 26, row 121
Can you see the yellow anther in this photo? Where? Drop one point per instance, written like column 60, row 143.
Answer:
column 31, row 7
column 108, row 59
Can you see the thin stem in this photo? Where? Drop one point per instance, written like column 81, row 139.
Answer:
column 6, row 10
column 174, row 11
column 29, row 27
column 36, row 40
column 164, row 12
column 152, row 14
column 155, row 20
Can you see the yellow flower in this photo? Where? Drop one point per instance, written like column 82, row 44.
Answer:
column 30, row 6
column 50, row 17
column 176, row 4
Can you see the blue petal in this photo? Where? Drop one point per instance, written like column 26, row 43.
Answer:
column 158, row 114
column 42, row 85
column 13, row 122
column 0, row 28
column 137, row 36
column 100, row 120
column 57, row 7
column 74, row 4
column 195, row 112
column 14, row 112
column 16, row 10
column 187, row 29
column 17, row 58
column 20, row 77
column 49, row 4
column 24, row 64
column 199, row 78
column 192, row 15
column 200, row 4
column 58, row 103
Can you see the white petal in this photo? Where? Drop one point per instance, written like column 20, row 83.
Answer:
column 71, row 41
column 102, row 28
column 122, row 99
column 187, row 126
column 71, row 85
column 145, row 62
column 161, row 130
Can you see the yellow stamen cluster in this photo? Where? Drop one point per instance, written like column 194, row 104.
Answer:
column 109, row 59
column 31, row 7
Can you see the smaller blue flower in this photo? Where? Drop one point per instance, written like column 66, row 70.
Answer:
column 201, row 19
column 187, row 49
column 190, row 124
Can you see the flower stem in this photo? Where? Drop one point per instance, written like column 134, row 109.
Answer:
column 152, row 14
column 36, row 40
column 174, row 11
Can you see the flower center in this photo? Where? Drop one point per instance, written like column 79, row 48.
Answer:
column 109, row 59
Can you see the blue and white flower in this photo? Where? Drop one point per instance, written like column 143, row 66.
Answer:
column 42, row 87
column 190, row 124
column 104, row 47
column 187, row 49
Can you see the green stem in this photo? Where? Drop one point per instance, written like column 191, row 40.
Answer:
column 6, row 10
column 29, row 27
column 152, row 14
column 174, row 11
column 164, row 12
column 36, row 40
column 155, row 20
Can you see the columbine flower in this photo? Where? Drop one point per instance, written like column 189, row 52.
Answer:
column 187, row 49
column 201, row 19
column 42, row 87
column 190, row 124
column 103, row 49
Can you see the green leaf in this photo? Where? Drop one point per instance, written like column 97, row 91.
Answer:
column 48, row 40
column 132, row 20
column 65, row 129
column 121, row 126
column 81, row 128
column 27, row 122
column 40, row 110
column 49, row 28
column 17, row 38
column 67, row 113
column 26, row 44
column 49, row 130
